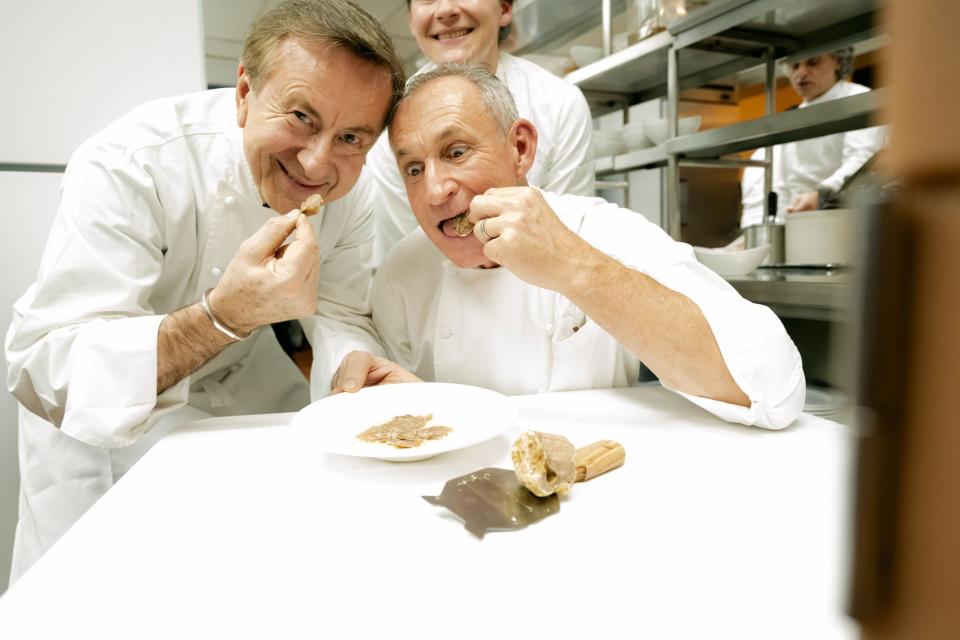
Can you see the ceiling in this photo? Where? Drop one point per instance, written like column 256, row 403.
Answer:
column 226, row 23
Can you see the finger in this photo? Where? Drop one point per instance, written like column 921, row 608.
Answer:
column 488, row 229
column 304, row 231
column 388, row 372
column 485, row 206
column 352, row 374
column 268, row 238
column 301, row 254
column 494, row 250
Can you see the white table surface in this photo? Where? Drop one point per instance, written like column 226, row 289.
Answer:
column 237, row 528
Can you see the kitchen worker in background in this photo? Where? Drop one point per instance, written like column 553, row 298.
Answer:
column 473, row 30
column 167, row 259
column 554, row 292
column 810, row 171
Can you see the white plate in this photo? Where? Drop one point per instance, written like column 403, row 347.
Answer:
column 823, row 399
column 475, row 415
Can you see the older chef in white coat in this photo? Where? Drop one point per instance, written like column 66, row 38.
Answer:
column 807, row 172
column 176, row 202
column 471, row 31
column 549, row 291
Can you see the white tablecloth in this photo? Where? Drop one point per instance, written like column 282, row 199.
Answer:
column 236, row 528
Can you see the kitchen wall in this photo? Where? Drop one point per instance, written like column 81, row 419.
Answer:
column 68, row 69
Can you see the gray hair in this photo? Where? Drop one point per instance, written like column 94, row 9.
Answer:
column 844, row 58
column 494, row 94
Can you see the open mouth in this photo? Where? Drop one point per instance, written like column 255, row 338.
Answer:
column 452, row 35
column 456, row 226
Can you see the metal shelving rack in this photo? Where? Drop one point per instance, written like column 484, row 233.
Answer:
column 718, row 40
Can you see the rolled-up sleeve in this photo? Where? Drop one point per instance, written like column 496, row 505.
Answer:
column 759, row 354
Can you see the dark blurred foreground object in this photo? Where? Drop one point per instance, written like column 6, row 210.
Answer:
column 906, row 579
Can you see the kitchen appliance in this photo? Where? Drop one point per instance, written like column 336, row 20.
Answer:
column 821, row 237
column 769, row 232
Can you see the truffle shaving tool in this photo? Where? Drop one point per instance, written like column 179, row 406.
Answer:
column 545, row 465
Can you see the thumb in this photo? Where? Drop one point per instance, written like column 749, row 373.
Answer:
column 268, row 238
column 352, row 373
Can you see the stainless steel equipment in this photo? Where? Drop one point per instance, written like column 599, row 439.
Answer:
column 769, row 232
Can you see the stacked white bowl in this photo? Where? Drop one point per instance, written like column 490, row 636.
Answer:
column 827, row 403
column 656, row 128
column 635, row 137
column 607, row 143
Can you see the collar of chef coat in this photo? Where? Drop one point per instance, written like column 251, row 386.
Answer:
column 238, row 181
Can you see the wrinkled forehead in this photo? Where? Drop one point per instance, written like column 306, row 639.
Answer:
column 437, row 108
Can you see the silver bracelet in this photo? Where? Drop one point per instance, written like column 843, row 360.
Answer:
column 216, row 323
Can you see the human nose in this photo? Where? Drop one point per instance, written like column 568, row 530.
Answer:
column 316, row 157
column 447, row 9
column 440, row 184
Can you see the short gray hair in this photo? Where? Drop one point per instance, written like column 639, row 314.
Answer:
column 494, row 94
column 844, row 58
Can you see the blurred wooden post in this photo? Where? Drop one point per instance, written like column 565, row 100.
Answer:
column 907, row 560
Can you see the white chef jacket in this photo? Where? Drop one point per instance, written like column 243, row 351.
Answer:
column 807, row 165
column 152, row 210
column 563, row 162
column 487, row 327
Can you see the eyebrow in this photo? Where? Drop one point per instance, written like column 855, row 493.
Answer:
column 300, row 103
column 446, row 134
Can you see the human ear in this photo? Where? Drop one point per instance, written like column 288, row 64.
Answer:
column 243, row 90
column 523, row 139
column 506, row 13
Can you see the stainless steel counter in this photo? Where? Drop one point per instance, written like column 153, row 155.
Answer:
column 794, row 293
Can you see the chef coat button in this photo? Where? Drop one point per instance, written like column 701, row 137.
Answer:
column 229, row 200
column 549, row 330
column 445, row 332
column 216, row 272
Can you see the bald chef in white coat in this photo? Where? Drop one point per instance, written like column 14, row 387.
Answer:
column 554, row 292
column 178, row 201
column 473, row 31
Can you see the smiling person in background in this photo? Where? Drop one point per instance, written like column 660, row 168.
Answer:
column 166, row 263
column 554, row 292
column 809, row 171
column 472, row 31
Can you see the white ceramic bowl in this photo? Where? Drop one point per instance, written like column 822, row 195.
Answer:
column 604, row 145
column 635, row 138
column 732, row 263
column 585, row 55
column 656, row 128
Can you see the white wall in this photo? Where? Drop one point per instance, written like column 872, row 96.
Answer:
column 67, row 69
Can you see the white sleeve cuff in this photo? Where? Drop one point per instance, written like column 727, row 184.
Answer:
column 112, row 381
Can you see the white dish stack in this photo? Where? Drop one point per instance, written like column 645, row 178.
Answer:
column 607, row 143
column 827, row 403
